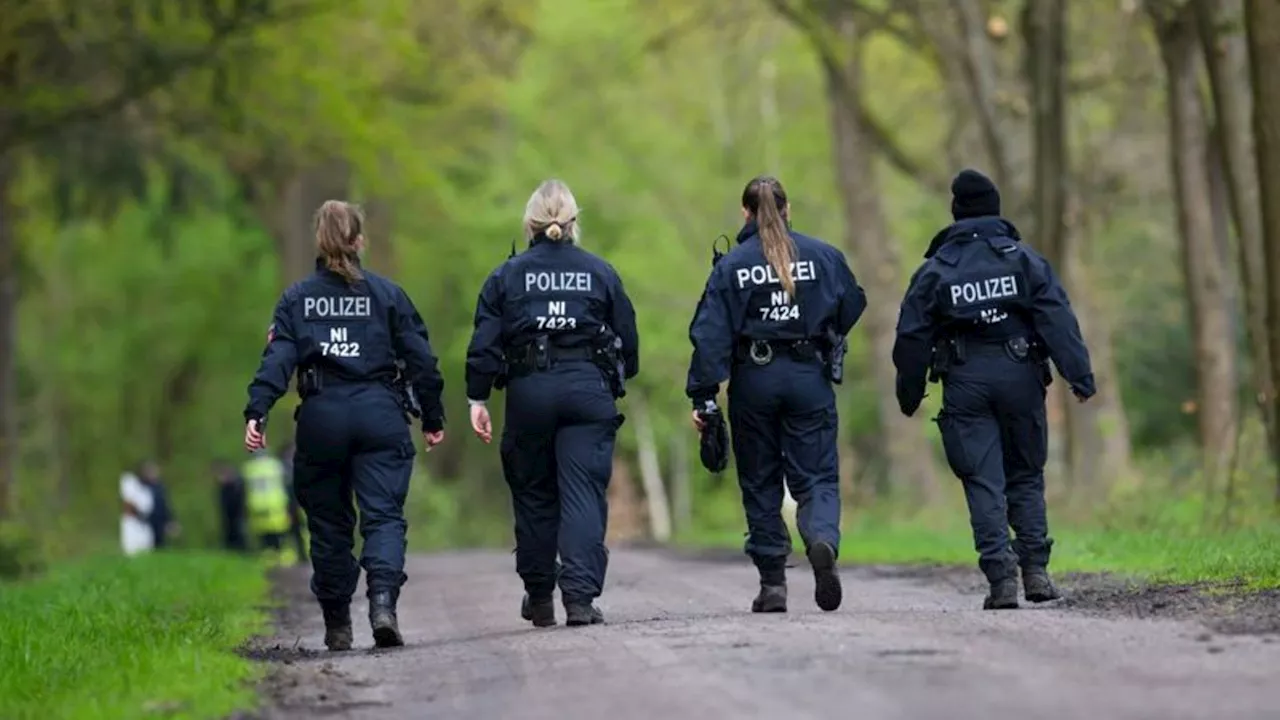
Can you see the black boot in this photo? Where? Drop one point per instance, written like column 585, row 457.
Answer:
column 382, row 618
column 1037, row 586
column 827, row 592
column 582, row 613
column 770, row 599
column 542, row 613
column 337, row 626
column 1003, row 595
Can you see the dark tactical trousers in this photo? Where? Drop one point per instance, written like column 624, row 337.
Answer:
column 996, row 439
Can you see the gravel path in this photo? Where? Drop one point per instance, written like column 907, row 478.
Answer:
column 681, row 643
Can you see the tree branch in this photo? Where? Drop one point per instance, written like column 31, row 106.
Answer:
column 888, row 146
column 146, row 77
column 825, row 44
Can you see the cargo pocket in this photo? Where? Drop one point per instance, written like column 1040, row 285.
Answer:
column 506, row 448
column 406, row 452
column 1040, row 442
column 953, row 444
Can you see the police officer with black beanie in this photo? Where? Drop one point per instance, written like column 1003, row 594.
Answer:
column 986, row 313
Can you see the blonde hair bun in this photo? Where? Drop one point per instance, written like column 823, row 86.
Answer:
column 553, row 212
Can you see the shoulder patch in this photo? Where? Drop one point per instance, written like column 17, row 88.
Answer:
column 949, row 254
column 1002, row 245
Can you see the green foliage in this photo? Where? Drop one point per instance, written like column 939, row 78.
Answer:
column 155, row 240
column 20, row 553
column 116, row 637
column 1168, row 552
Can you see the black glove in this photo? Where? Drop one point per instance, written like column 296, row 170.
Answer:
column 714, row 450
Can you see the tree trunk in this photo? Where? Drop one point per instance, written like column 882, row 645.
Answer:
column 1226, row 52
column 1045, row 36
column 8, row 335
column 1203, row 268
column 379, row 223
column 981, row 69
column 301, row 196
column 1262, row 20
column 875, row 259
column 681, row 484
column 965, row 137
column 655, row 493
column 1047, row 32
column 626, row 519
column 1100, row 448
column 1094, row 437
column 1221, row 24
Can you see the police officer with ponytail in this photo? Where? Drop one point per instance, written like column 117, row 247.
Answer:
column 772, row 321
column 984, row 314
column 342, row 329
column 556, row 326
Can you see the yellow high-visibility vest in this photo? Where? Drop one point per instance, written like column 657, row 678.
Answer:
column 267, row 497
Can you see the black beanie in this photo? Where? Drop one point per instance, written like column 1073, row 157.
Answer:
column 973, row 195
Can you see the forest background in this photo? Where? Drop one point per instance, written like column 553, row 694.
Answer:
column 160, row 163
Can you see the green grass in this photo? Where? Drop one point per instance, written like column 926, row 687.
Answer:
column 1157, row 554
column 112, row 637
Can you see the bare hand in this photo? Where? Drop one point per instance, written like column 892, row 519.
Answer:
column 480, row 423
column 433, row 439
column 254, row 439
column 698, row 423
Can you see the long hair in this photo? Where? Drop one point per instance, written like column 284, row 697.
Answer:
column 552, row 211
column 338, row 226
column 766, row 200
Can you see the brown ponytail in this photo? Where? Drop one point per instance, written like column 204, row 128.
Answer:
column 765, row 199
column 338, row 226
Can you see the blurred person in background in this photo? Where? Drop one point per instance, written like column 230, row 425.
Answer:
column 136, row 499
column 231, row 506
column 555, row 324
column 342, row 329
column 268, row 504
column 164, row 526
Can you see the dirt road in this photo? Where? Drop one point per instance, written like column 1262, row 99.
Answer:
column 681, row 643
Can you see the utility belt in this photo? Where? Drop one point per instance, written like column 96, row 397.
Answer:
column 312, row 380
column 531, row 358
column 762, row 352
column 540, row 355
column 955, row 350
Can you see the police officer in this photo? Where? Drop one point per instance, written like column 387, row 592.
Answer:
column 557, row 322
column 772, row 320
column 983, row 312
column 343, row 328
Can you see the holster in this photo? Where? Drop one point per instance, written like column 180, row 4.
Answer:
column 607, row 355
column 1039, row 354
column 833, row 365
column 541, row 352
column 404, row 391
column 310, row 382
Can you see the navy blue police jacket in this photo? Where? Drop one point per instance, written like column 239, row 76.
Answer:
column 555, row 289
column 743, row 300
column 980, row 282
column 352, row 333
